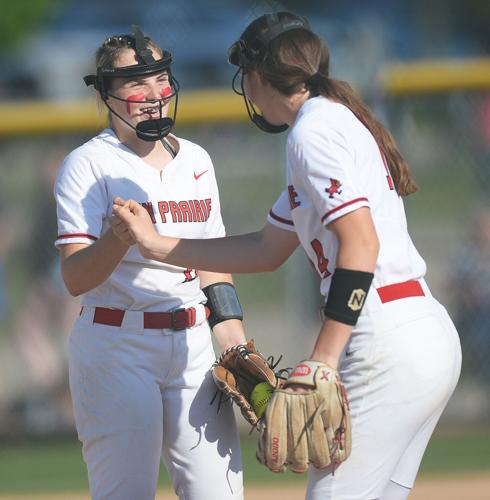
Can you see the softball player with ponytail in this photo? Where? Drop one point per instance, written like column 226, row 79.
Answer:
column 394, row 346
column 140, row 351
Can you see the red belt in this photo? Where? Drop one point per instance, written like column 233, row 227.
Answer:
column 179, row 319
column 400, row 291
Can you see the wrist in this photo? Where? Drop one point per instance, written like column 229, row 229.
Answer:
column 327, row 358
column 114, row 240
column 149, row 246
column 229, row 333
column 227, row 345
column 331, row 342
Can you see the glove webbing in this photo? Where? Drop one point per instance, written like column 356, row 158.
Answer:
column 244, row 353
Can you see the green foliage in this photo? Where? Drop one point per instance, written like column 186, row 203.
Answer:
column 20, row 17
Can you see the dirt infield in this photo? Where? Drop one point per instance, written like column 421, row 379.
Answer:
column 471, row 487
column 441, row 488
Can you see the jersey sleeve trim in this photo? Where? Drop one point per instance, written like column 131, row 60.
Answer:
column 364, row 201
column 280, row 222
column 280, row 219
column 74, row 238
column 77, row 235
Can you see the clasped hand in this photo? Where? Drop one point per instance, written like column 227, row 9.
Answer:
column 131, row 223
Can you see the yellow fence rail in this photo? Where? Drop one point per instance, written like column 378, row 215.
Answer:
column 221, row 105
column 435, row 76
column 42, row 117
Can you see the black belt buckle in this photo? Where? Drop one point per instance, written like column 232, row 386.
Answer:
column 179, row 319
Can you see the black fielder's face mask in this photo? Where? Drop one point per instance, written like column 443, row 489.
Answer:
column 245, row 52
column 153, row 129
column 257, row 119
column 156, row 127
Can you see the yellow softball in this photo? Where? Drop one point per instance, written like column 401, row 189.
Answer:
column 260, row 396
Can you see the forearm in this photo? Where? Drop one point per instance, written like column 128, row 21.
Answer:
column 229, row 333
column 331, row 342
column 260, row 251
column 358, row 252
column 89, row 267
column 233, row 254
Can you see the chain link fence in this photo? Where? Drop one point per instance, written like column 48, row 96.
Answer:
column 444, row 136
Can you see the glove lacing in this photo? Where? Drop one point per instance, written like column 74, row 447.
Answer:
column 244, row 353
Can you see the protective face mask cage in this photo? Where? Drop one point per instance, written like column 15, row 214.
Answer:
column 242, row 53
column 148, row 130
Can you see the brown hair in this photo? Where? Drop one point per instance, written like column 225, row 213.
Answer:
column 108, row 53
column 297, row 59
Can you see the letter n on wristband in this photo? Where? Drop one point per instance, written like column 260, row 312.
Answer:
column 348, row 292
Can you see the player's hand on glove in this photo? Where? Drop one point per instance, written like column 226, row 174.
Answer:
column 131, row 223
column 238, row 370
column 307, row 421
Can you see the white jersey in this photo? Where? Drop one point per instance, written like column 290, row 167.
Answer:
column 182, row 200
column 334, row 166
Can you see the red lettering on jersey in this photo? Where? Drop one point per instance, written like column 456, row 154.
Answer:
column 389, row 179
column 322, row 261
column 199, row 212
column 174, row 210
column 293, row 202
column 193, row 211
column 163, row 209
column 190, row 275
column 148, row 206
column 334, row 188
column 311, row 263
column 204, row 209
column 186, row 211
column 182, row 211
column 208, row 207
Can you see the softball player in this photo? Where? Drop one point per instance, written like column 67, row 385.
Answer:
column 140, row 350
column 396, row 348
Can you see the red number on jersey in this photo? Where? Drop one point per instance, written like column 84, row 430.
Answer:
column 190, row 274
column 321, row 260
column 389, row 179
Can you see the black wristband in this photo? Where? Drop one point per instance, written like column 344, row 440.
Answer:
column 348, row 292
column 222, row 303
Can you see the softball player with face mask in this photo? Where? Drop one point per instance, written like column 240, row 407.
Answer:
column 140, row 350
column 394, row 345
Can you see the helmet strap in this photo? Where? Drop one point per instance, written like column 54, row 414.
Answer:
column 259, row 120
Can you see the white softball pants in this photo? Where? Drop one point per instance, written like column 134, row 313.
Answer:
column 399, row 368
column 144, row 395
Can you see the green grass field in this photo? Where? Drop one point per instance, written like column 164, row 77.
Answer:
column 44, row 467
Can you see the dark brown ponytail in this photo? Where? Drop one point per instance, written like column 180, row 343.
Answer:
column 342, row 92
column 297, row 59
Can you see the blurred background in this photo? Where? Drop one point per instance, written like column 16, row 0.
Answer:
column 425, row 70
